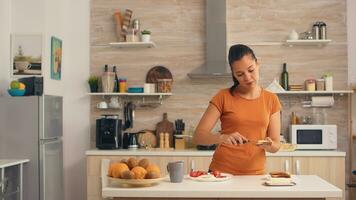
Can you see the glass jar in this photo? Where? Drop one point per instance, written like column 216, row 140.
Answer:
column 164, row 85
column 130, row 35
column 320, row 84
column 310, row 84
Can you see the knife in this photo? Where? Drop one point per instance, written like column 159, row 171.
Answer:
column 257, row 142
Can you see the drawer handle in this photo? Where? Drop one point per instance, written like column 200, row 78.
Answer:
column 297, row 167
column 286, row 165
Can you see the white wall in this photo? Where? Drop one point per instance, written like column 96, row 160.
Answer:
column 351, row 39
column 5, row 24
column 69, row 21
column 76, row 114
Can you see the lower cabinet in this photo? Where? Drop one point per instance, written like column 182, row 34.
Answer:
column 331, row 169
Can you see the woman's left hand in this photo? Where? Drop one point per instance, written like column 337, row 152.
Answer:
column 266, row 145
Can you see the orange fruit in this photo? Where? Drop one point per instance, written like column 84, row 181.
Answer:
column 22, row 86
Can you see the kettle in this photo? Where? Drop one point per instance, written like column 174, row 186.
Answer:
column 133, row 141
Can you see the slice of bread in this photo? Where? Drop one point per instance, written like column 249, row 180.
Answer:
column 279, row 174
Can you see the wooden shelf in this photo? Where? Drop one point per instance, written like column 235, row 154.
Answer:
column 317, row 92
column 129, row 94
column 159, row 96
column 307, row 42
column 133, row 44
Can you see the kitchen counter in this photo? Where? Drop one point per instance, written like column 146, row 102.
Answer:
column 193, row 152
column 12, row 162
column 308, row 186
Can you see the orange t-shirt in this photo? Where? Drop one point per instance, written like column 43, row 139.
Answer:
column 249, row 117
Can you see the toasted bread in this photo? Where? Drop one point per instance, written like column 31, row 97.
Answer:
column 279, row 174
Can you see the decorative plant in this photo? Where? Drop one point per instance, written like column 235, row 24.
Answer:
column 146, row 32
column 327, row 74
column 93, row 82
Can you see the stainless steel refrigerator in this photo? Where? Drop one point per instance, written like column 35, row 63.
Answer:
column 31, row 127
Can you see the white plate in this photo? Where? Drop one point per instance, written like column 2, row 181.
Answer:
column 269, row 183
column 211, row 178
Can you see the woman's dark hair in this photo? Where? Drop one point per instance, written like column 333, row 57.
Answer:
column 237, row 52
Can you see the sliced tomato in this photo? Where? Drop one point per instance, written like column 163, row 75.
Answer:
column 193, row 174
column 216, row 173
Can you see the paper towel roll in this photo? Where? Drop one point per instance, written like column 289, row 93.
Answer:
column 322, row 101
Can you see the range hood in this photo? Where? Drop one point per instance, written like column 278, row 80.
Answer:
column 216, row 65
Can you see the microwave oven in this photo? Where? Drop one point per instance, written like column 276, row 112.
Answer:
column 313, row 136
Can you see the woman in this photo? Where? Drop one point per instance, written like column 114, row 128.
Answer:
column 248, row 113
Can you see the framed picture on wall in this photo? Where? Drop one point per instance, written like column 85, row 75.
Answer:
column 26, row 54
column 56, row 58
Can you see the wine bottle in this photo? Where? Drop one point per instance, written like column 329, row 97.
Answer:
column 284, row 77
column 116, row 81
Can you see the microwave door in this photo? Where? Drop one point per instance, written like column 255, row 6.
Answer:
column 310, row 139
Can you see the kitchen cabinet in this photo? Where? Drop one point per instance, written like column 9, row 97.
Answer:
column 331, row 169
column 278, row 164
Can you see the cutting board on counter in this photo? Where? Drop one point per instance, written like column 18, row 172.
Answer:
column 165, row 126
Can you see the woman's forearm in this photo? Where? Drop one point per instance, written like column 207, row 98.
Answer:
column 203, row 138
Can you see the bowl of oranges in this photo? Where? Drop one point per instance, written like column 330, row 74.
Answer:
column 17, row 88
column 134, row 173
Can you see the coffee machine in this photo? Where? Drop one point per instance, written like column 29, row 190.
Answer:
column 108, row 132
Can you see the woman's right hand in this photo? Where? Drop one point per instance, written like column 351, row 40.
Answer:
column 233, row 138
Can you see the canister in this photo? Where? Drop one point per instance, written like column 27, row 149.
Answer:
column 322, row 31
column 310, row 84
column 316, row 31
column 320, row 84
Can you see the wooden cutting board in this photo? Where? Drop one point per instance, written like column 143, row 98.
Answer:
column 158, row 72
column 147, row 138
column 165, row 126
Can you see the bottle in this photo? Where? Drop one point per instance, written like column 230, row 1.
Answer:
column 294, row 118
column 122, row 85
column 284, row 77
column 116, row 81
column 107, row 80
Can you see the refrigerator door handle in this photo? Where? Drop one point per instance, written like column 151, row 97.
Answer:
column 49, row 140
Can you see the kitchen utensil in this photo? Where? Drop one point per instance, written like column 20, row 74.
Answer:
column 102, row 105
column 316, row 31
column 322, row 31
column 158, row 72
column 147, row 138
column 114, row 102
column 108, row 132
column 133, row 141
column 257, row 142
column 176, row 171
column 165, row 126
column 125, row 141
column 126, row 23
column 129, row 113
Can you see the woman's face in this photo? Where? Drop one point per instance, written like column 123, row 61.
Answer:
column 246, row 71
